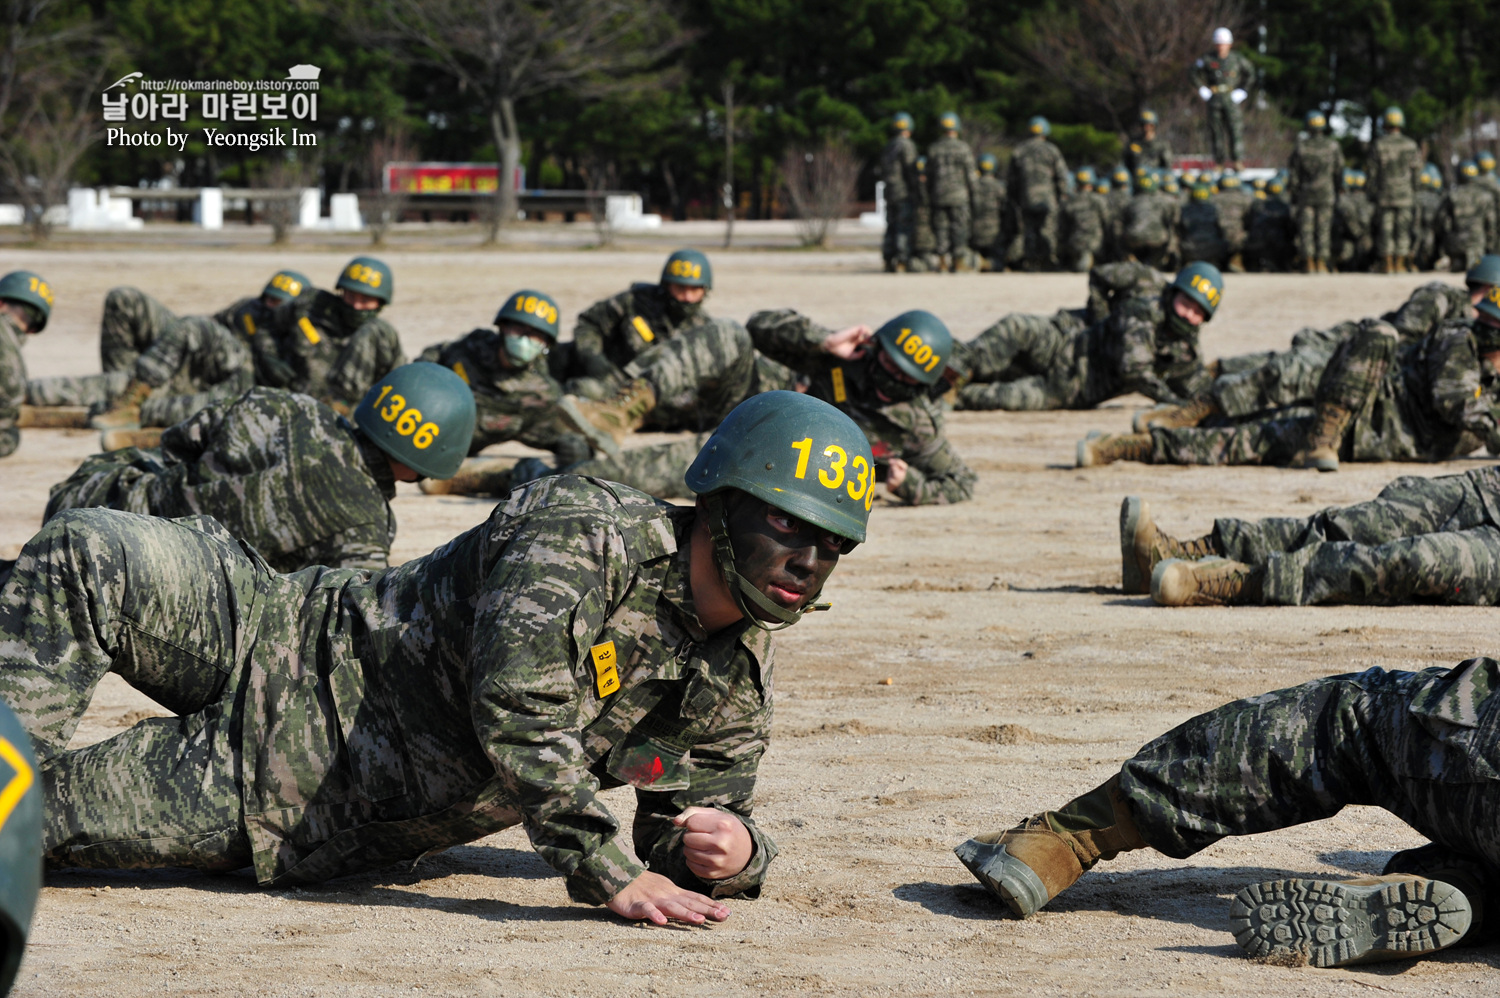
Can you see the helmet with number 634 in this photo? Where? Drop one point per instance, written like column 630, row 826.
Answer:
column 20, row 843
column 422, row 415
column 28, row 288
column 368, row 276
column 690, row 268
column 919, row 343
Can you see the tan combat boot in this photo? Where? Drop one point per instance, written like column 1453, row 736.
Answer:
column 1044, row 855
column 1335, row 923
column 120, row 439
column 1104, row 448
column 1309, row 266
column 1171, row 417
column 1237, row 263
column 1324, row 438
column 1143, row 546
column 477, row 476
column 1207, row 582
column 124, row 413
column 606, row 424
column 54, row 417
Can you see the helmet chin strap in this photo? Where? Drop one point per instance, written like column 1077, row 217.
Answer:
column 739, row 587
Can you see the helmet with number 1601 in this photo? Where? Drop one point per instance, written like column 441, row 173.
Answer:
column 29, row 289
column 919, row 343
column 422, row 415
column 368, row 276
column 1203, row 283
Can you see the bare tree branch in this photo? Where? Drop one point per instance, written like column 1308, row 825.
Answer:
column 820, row 183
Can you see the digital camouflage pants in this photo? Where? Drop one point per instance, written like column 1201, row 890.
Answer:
column 1226, row 129
column 171, row 607
column 132, row 322
column 702, row 373
column 895, row 247
column 658, row 470
column 1024, row 362
column 1259, row 382
column 1040, row 224
column 1424, row 746
column 1315, row 231
column 950, row 230
column 1393, row 227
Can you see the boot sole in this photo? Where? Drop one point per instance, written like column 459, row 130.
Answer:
column 1004, row 876
column 1132, row 580
column 1084, row 457
column 578, row 423
column 1333, row 924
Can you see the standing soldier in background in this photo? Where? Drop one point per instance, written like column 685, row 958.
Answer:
column 950, row 176
column 1119, row 199
column 1223, row 78
column 989, row 202
column 898, row 169
column 922, row 242
column 1085, row 221
column 1466, row 219
column 1233, row 204
column 1314, row 171
column 1395, row 164
column 1149, row 226
column 1352, row 214
column 1038, row 185
column 1147, row 150
column 1269, row 242
column 1202, row 238
column 1426, row 246
column 1491, row 183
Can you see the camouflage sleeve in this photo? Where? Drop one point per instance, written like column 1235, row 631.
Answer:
column 372, row 353
column 1457, row 394
column 1060, row 174
column 1421, row 313
column 722, row 774
column 935, row 473
column 790, row 338
column 271, row 370
column 186, row 441
column 543, row 602
column 595, row 325
column 366, row 545
column 12, row 392
column 1137, row 372
column 433, row 354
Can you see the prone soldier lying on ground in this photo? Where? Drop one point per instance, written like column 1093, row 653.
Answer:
column 25, row 305
column 1421, row 745
column 334, row 720
column 287, row 475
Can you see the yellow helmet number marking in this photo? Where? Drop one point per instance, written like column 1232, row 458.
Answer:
column 1206, row 288
column 859, row 485
column 408, row 419
column 685, row 268
column 921, row 354
column 366, row 275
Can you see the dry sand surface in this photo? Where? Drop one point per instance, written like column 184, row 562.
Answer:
column 1020, row 676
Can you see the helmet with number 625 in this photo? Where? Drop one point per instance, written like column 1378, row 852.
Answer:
column 422, row 415
column 20, row 843
column 28, row 288
column 285, row 285
column 368, row 276
column 690, row 268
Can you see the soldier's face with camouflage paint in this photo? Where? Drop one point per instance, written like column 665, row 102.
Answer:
column 685, row 294
column 785, row 558
column 1188, row 310
column 359, row 301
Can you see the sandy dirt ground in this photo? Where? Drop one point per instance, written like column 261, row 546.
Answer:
column 1020, row 676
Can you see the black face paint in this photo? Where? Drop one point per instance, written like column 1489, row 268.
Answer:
column 681, row 311
column 344, row 318
column 784, row 558
column 887, row 384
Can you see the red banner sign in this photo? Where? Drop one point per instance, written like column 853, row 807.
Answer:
column 446, row 178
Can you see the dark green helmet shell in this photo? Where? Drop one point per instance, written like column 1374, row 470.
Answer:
column 1203, row 283
column 1039, row 126
column 919, row 343
column 1148, row 117
column 1084, row 175
column 949, row 121
column 25, row 286
column 368, row 276
column 1315, row 120
column 532, row 309
column 797, row 453
column 20, row 842
column 422, row 415
column 1486, row 271
column 690, row 268
column 901, row 122
column 987, row 163
column 285, row 285
column 1490, row 306
column 1486, row 160
column 1394, row 117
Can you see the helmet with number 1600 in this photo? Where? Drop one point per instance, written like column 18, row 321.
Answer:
column 422, row 415
column 29, row 289
column 1203, row 283
column 689, row 268
column 368, row 276
column 285, row 285
column 20, row 843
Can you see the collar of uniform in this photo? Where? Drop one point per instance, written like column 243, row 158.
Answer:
column 677, row 587
column 9, row 325
column 376, row 461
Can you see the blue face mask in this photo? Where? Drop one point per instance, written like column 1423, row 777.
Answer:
column 522, row 350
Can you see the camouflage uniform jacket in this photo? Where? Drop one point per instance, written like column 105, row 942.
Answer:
column 283, row 473
column 196, row 353
column 310, row 346
column 1314, row 171
column 1085, row 221
column 989, row 199
column 1136, row 349
column 1113, row 284
column 1395, row 168
column 12, row 385
column 1153, row 154
column 1223, row 76
column 1038, row 174
column 911, row 431
column 512, row 404
column 1437, row 403
column 1466, row 219
column 950, row 172
column 898, row 168
column 611, row 333
column 1234, row 216
column 247, row 316
column 507, row 677
column 1430, row 306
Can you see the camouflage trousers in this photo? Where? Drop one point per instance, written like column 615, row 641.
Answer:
column 1420, row 540
column 895, row 247
column 702, row 373
column 172, row 607
column 1315, row 231
column 950, row 229
column 1039, row 235
column 1226, row 129
column 132, row 322
column 1260, row 382
column 1023, row 362
column 129, row 479
column 1421, row 745
column 658, row 470
column 1393, row 226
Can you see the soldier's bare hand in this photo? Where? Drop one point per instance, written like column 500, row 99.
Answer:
column 846, row 342
column 717, row 845
column 655, row 899
column 895, row 473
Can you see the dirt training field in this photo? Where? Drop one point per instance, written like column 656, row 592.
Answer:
column 1020, row 676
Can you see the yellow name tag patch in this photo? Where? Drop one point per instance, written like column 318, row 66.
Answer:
column 309, row 330
column 249, row 325
column 606, row 675
column 839, row 394
column 458, row 369
column 643, row 329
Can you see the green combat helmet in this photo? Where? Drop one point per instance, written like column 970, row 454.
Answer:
column 422, row 415
column 1039, row 126
column 1486, row 161
column 1102, row 185
column 689, row 268
column 919, row 346
column 802, row 456
column 1170, row 185
column 20, row 842
column 1468, row 171
column 1203, row 190
column 533, row 309
column 1394, row 117
column 1485, row 273
column 987, row 163
column 29, row 289
column 1316, row 121
column 1203, row 283
column 1145, row 180
column 368, row 276
column 1230, row 181
column 901, row 122
column 1120, row 175
column 949, row 121
column 285, row 285
column 1360, row 179
column 1085, row 176
column 1148, row 117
